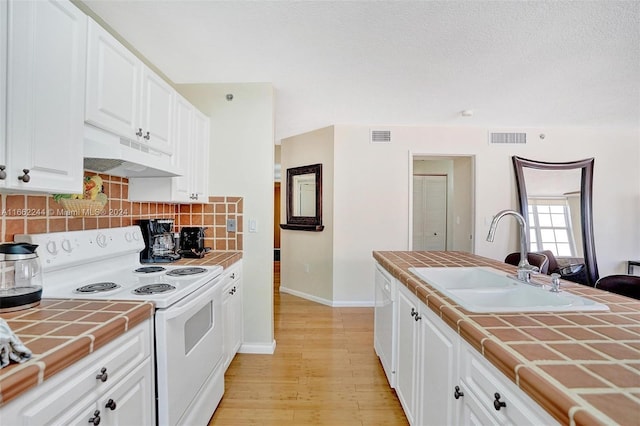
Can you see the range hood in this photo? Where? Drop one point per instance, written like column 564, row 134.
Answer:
column 105, row 152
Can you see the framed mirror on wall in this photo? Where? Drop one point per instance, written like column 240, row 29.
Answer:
column 304, row 198
column 556, row 200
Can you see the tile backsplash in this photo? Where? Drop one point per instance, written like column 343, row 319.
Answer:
column 35, row 214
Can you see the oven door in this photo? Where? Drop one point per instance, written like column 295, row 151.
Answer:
column 188, row 349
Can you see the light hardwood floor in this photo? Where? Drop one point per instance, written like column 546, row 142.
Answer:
column 324, row 372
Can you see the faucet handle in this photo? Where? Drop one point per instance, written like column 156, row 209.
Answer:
column 555, row 283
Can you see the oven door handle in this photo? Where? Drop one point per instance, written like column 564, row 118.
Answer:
column 202, row 296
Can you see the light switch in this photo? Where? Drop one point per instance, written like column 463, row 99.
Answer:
column 231, row 225
column 253, row 225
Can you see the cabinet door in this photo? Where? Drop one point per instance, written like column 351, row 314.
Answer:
column 384, row 324
column 200, row 158
column 157, row 107
column 232, row 314
column 438, row 360
column 237, row 318
column 3, row 82
column 183, row 116
column 130, row 402
column 407, row 345
column 113, row 84
column 45, row 95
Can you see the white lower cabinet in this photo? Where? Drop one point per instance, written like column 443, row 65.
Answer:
column 384, row 326
column 437, row 369
column 442, row 380
column 232, row 312
column 112, row 386
column 427, row 362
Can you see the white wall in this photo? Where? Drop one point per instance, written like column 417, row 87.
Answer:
column 371, row 196
column 306, row 258
column 241, row 164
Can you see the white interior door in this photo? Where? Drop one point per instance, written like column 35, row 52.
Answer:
column 429, row 212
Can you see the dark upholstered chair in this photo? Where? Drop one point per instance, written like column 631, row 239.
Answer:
column 553, row 263
column 571, row 272
column 535, row 259
column 626, row 285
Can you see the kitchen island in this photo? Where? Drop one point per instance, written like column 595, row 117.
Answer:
column 582, row 368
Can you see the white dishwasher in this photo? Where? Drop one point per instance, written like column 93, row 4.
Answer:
column 385, row 322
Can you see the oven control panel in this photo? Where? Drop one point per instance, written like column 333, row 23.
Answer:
column 58, row 250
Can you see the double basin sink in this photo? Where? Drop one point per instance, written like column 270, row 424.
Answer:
column 484, row 289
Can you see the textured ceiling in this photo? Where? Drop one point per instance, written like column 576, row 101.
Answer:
column 514, row 63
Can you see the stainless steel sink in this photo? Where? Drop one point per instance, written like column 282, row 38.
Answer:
column 484, row 289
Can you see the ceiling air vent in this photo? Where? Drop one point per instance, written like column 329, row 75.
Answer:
column 380, row 136
column 507, row 137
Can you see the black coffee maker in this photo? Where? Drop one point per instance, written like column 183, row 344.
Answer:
column 160, row 245
column 192, row 242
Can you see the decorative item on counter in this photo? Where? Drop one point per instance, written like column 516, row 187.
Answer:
column 11, row 347
column 89, row 203
column 192, row 242
column 20, row 277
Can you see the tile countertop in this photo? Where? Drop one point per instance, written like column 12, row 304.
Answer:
column 224, row 258
column 583, row 368
column 60, row 332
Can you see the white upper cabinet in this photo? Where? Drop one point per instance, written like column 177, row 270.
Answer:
column 46, row 63
column 183, row 135
column 200, row 158
column 113, row 84
column 156, row 109
column 191, row 155
column 3, row 87
column 124, row 96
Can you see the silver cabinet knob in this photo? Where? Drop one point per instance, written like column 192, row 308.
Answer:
column 497, row 404
column 103, row 376
column 95, row 420
column 111, row 404
column 25, row 177
column 3, row 174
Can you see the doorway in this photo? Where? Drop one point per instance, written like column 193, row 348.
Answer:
column 442, row 203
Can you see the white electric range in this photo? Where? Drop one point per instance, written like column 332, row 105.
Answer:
column 104, row 265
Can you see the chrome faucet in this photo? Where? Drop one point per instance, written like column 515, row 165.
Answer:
column 524, row 268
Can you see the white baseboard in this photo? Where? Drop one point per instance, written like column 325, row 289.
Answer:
column 332, row 303
column 258, row 348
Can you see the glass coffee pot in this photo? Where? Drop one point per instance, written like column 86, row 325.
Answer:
column 20, row 277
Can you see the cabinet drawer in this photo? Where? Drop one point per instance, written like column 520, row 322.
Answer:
column 74, row 390
column 232, row 274
column 483, row 380
column 231, row 281
column 122, row 356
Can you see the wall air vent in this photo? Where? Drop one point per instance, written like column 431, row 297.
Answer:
column 507, row 137
column 380, row 136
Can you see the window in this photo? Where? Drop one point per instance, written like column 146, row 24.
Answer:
column 550, row 226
